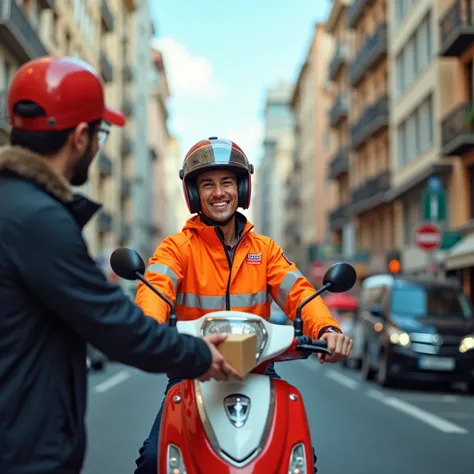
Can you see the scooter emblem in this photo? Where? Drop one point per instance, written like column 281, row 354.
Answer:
column 237, row 407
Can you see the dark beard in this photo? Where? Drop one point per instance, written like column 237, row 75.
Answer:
column 81, row 170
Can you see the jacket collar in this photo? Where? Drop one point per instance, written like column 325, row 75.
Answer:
column 35, row 168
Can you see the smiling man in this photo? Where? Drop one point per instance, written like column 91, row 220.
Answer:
column 218, row 263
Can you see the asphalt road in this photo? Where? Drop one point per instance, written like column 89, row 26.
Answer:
column 357, row 428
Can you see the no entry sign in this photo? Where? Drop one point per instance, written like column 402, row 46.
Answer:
column 428, row 237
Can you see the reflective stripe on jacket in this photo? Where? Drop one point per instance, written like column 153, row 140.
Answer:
column 194, row 270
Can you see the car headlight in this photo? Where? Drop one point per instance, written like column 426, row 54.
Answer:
column 467, row 344
column 298, row 460
column 398, row 337
column 175, row 463
column 236, row 326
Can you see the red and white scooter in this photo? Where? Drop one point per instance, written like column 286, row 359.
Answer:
column 258, row 425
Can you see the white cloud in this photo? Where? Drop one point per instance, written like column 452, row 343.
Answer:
column 250, row 140
column 189, row 75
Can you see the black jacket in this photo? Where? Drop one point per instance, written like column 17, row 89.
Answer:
column 53, row 298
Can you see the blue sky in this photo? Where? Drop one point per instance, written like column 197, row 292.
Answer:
column 221, row 56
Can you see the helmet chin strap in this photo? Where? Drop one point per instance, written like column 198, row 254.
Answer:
column 209, row 221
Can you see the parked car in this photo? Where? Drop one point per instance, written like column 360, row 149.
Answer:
column 416, row 329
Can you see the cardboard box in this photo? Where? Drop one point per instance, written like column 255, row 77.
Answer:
column 240, row 351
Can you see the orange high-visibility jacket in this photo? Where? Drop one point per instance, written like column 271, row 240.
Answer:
column 194, row 270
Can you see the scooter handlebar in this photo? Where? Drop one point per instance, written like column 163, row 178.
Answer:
column 306, row 344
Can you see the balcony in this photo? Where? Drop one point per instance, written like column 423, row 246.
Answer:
column 374, row 119
column 338, row 217
column 105, row 221
column 105, row 164
column 339, row 110
column 127, row 72
column 340, row 58
column 369, row 56
column 107, row 16
column 339, row 164
column 355, row 11
column 456, row 28
column 17, row 34
column 457, row 131
column 372, row 187
column 126, row 145
column 106, row 68
column 126, row 187
column 51, row 4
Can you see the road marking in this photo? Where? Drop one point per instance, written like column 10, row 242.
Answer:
column 459, row 416
column 342, row 379
column 111, row 382
column 428, row 398
column 429, row 418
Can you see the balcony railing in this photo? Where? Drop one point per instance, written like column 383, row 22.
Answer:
column 105, row 164
column 126, row 145
column 373, row 186
column 127, row 106
column 338, row 60
column 374, row 119
column 457, row 131
column 338, row 216
column 339, row 164
column 105, row 221
column 355, row 11
column 127, row 72
column 107, row 16
column 456, row 28
column 17, row 34
column 106, row 68
column 369, row 55
column 339, row 110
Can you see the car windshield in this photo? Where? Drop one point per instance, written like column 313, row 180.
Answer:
column 433, row 301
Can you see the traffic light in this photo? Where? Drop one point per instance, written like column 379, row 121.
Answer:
column 394, row 262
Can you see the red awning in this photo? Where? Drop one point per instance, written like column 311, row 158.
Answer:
column 342, row 301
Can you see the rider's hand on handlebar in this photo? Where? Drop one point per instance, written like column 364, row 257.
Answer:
column 220, row 369
column 338, row 344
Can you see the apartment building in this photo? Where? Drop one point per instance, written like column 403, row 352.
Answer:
column 114, row 36
column 455, row 33
column 276, row 163
column 339, row 219
column 369, row 113
column 308, row 195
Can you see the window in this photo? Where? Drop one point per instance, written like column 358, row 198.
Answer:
column 415, row 135
column 401, row 9
column 414, row 57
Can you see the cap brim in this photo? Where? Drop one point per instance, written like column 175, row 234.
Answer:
column 114, row 117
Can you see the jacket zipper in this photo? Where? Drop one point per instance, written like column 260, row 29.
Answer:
column 229, row 261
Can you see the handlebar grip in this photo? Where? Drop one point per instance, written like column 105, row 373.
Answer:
column 315, row 346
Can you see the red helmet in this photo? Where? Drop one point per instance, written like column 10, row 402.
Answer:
column 69, row 90
column 215, row 153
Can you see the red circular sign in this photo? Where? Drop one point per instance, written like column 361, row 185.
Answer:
column 428, row 237
column 318, row 269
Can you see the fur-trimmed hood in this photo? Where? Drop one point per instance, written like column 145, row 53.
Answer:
column 34, row 167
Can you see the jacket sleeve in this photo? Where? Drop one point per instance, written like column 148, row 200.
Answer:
column 164, row 272
column 288, row 287
column 53, row 261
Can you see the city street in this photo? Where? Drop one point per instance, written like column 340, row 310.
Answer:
column 357, row 427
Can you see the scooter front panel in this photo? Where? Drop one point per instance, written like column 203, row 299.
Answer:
column 237, row 416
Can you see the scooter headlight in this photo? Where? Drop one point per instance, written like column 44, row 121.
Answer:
column 236, row 326
column 175, row 463
column 298, row 460
column 467, row 344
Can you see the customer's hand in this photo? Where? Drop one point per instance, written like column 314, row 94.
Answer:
column 220, row 369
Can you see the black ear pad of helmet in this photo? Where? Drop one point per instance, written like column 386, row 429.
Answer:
column 193, row 197
column 243, row 190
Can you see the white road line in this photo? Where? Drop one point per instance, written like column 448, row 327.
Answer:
column 112, row 381
column 342, row 379
column 429, row 418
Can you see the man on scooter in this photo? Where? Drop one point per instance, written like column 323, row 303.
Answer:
column 218, row 263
